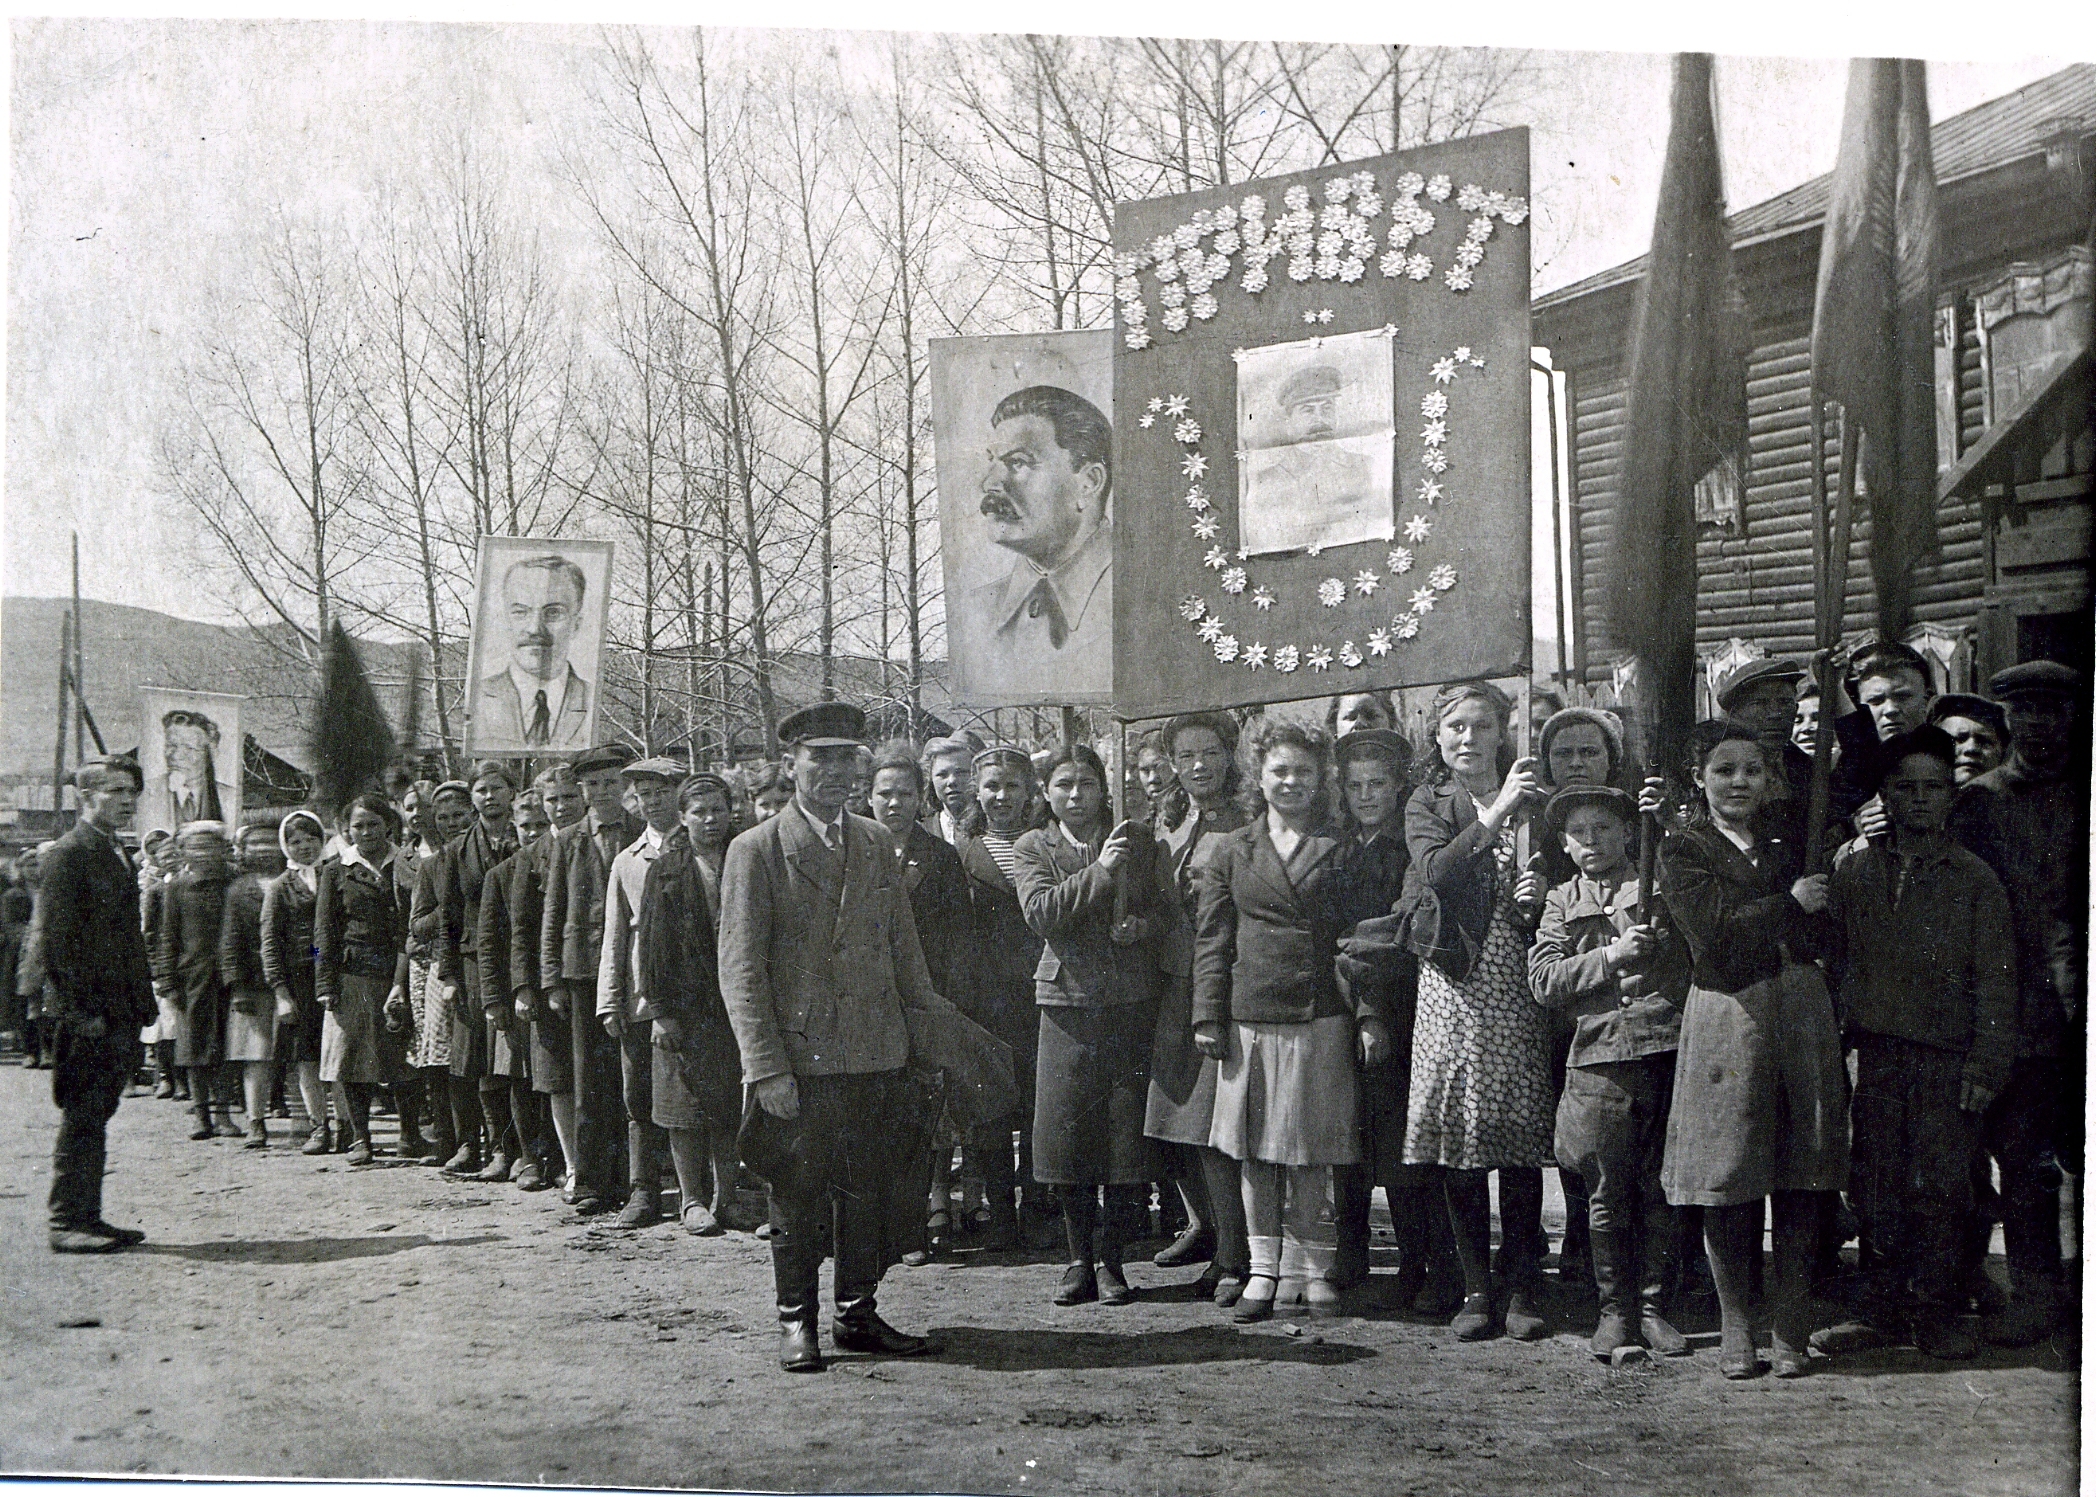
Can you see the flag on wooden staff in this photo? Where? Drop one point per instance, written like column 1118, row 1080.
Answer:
column 1686, row 413
column 1873, row 317
column 352, row 742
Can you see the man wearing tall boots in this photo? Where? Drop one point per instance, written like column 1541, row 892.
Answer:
column 571, row 936
column 621, row 1005
column 98, row 993
column 552, row 1044
column 819, row 960
column 461, row 879
column 2028, row 821
column 509, row 1035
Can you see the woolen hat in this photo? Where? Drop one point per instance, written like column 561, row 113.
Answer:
column 1572, row 797
column 825, row 725
column 1756, row 671
column 603, row 756
column 2036, row 678
column 1611, row 727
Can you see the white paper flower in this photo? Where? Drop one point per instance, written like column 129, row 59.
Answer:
column 1363, row 180
column 1135, row 313
column 1197, row 285
column 1334, row 217
column 1331, row 242
column 1471, row 198
column 1400, row 560
column 1200, row 221
column 1368, row 205
column 1234, row 581
column 1338, row 190
column 1433, row 404
column 1479, row 231
column 1469, row 255
column 1215, row 560
column 1310, row 317
column 1185, row 236
column 1167, row 270
column 1462, row 356
column 1203, row 306
column 1207, row 528
column 1515, row 210
column 1226, row 648
column 1316, row 548
column 1410, row 185
column 1457, row 279
column 1366, row 582
column 1226, row 244
column 1392, row 264
column 1379, row 641
column 1255, row 655
column 1137, row 338
column 1429, row 491
column 1407, row 625
column 1418, row 528
column 1423, row 220
column 1146, row 419
column 1434, row 460
column 1174, row 319
column 1301, row 269
column 1253, row 206
column 1297, row 197
column 1400, row 236
column 1187, row 431
column 1349, row 655
column 1423, row 600
column 1127, row 288
column 1286, row 658
column 1176, row 406
column 1324, row 314
column 1193, row 465
column 1331, row 592
column 1437, row 187
column 1126, row 264
column 1434, row 433
column 1156, row 403
column 1192, row 260
column 1444, row 370
column 1262, row 598
column 1172, row 294
column 1495, row 203
column 1243, row 554
column 1327, row 267
column 1196, row 500
column 1442, row 578
column 1162, row 249
column 1350, row 269
column 1254, row 280
column 1191, row 607
column 1320, row 658
column 1418, row 267
column 1211, row 628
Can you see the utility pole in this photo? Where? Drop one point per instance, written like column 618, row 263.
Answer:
column 79, row 658
column 65, row 650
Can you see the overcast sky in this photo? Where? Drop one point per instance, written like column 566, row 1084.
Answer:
column 145, row 154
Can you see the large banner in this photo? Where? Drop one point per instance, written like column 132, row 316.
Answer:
column 538, row 639
column 189, row 746
column 1321, row 385
column 1028, row 496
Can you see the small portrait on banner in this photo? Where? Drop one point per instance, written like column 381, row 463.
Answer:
column 1315, row 431
column 538, row 635
column 190, row 752
column 1026, row 463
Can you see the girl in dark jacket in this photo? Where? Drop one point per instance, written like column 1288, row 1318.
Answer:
column 360, row 937
column 251, row 1007
column 287, row 966
column 185, row 961
column 1760, row 1095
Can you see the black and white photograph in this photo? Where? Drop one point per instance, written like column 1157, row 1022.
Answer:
column 1225, row 752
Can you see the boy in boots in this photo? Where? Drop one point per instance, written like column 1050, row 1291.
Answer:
column 1928, row 990
column 1620, row 973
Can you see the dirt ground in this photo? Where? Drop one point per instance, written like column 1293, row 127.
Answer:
column 286, row 1319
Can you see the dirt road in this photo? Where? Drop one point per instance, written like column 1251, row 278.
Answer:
column 292, row 1318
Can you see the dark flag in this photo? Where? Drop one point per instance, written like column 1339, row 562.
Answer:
column 352, row 743
column 1686, row 416
column 1873, row 315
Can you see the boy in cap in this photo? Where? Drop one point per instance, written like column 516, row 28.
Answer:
column 1927, row 986
column 1978, row 728
column 2028, row 821
column 1892, row 688
column 1762, row 697
column 1620, row 972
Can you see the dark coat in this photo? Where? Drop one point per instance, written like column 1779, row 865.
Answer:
column 1069, row 902
column 1736, row 912
column 680, row 973
column 93, row 949
column 495, row 919
column 185, row 960
column 425, row 911
column 462, row 874
column 527, row 913
column 1616, row 1014
column 1370, row 884
column 240, row 935
column 358, row 925
column 287, row 934
column 1267, row 934
column 1003, row 953
column 571, row 929
column 1453, row 882
column 938, row 890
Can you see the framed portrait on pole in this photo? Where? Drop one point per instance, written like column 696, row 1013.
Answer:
column 533, row 670
column 1024, row 443
column 190, row 749
column 1321, row 386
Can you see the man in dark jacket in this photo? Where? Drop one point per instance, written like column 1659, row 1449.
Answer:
column 461, row 878
column 100, row 994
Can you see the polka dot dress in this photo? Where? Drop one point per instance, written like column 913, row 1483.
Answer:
column 1481, row 1095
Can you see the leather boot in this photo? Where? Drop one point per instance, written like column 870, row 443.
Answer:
column 1659, row 1249
column 795, row 1273
column 1612, row 1279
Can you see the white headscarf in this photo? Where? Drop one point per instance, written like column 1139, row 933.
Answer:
column 307, row 873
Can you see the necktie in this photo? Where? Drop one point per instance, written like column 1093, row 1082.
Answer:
column 536, row 733
column 1041, row 603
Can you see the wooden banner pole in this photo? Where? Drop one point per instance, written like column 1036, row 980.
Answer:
column 65, row 650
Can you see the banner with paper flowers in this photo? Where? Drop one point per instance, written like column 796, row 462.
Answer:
column 1323, row 473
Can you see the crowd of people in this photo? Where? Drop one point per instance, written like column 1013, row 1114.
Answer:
column 879, row 1003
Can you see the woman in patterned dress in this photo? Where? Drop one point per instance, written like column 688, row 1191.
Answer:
column 448, row 810
column 1480, row 1093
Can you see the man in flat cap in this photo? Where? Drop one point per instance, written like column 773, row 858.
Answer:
column 622, row 1007
column 819, row 960
column 571, row 939
column 98, row 994
column 2028, row 820
column 1311, row 473
column 1762, row 697
column 1047, row 623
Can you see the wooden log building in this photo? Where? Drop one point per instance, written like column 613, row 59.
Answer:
column 2014, row 446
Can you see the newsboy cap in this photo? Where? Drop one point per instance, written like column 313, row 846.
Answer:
column 2036, row 678
column 603, row 756
column 1380, row 742
column 1572, row 797
column 658, row 768
column 825, row 725
column 1754, row 672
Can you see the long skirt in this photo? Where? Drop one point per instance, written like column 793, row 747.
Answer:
column 429, row 996
column 1091, row 1076
column 251, row 1024
column 353, row 1045
column 1481, row 1097
column 1180, row 1106
column 1285, row 1094
column 1760, row 1094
